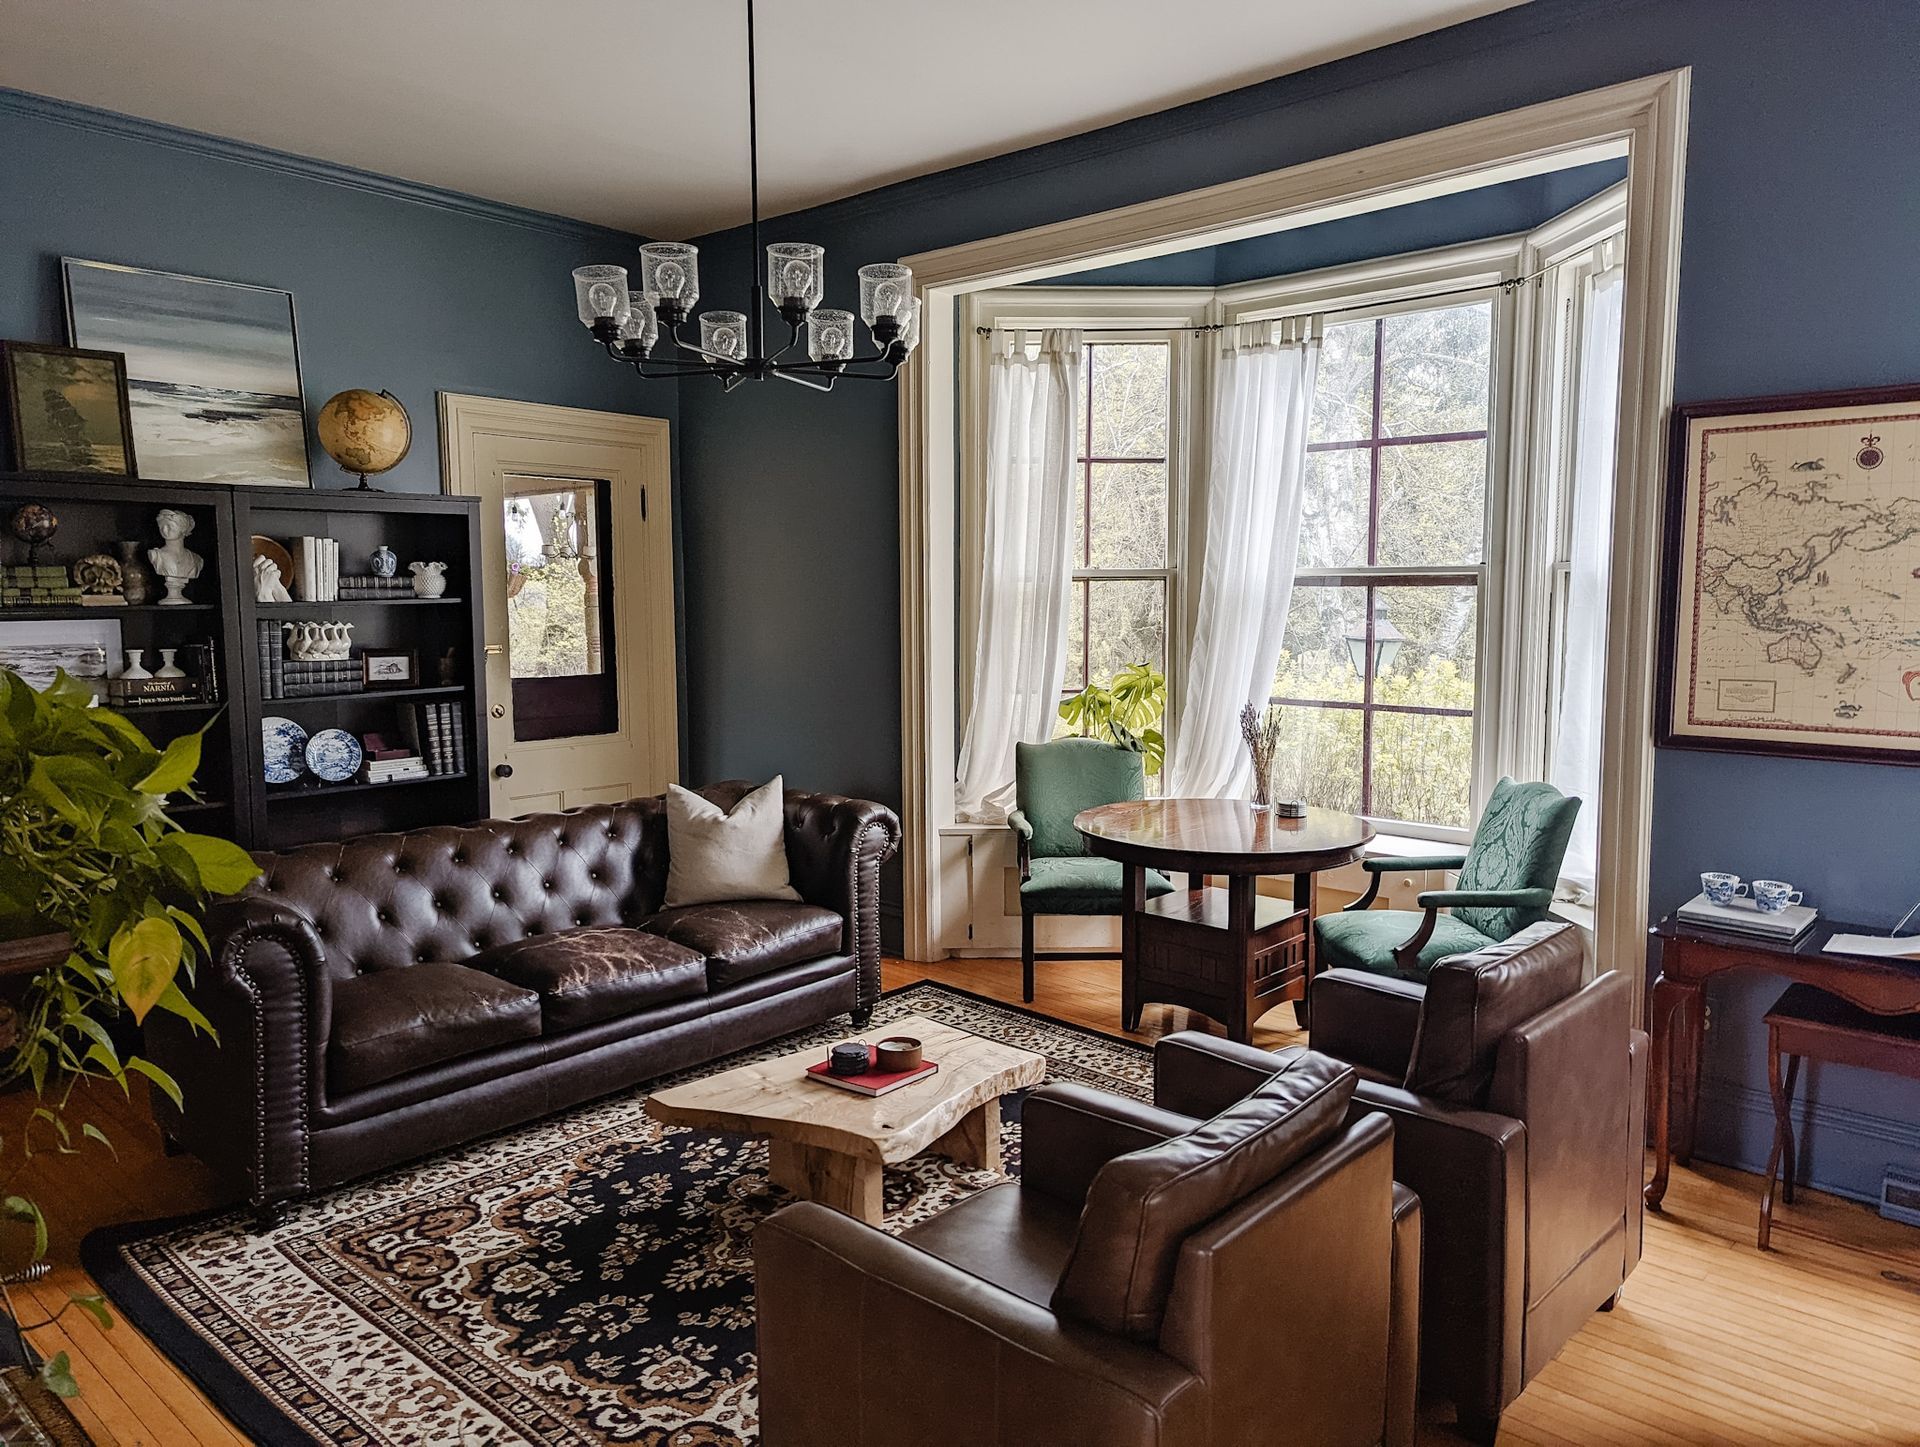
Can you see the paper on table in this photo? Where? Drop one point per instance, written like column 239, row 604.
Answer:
column 1883, row 947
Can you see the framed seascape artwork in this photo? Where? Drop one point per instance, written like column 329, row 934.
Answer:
column 1793, row 576
column 65, row 409
column 87, row 648
column 213, row 371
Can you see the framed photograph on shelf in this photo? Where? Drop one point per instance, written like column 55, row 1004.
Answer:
column 213, row 371
column 65, row 410
column 390, row 668
column 1792, row 617
column 87, row 648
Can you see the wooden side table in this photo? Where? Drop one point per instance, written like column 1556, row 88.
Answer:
column 1230, row 954
column 1809, row 1024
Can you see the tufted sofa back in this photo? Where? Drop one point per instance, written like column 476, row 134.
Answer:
column 385, row 901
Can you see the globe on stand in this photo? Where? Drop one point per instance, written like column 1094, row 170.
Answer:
column 365, row 432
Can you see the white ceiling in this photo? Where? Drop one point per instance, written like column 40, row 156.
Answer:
column 632, row 113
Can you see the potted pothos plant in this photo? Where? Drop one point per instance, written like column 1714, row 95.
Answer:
column 1126, row 711
column 99, row 896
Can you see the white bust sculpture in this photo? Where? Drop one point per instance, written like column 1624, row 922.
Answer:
column 267, row 587
column 173, row 562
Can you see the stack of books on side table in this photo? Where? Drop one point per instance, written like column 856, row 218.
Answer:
column 1743, row 916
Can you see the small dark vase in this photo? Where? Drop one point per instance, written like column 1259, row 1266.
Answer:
column 136, row 578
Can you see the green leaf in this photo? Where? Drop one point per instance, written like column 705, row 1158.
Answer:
column 93, row 1132
column 145, row 959
column 95, row 1307
column 225, row 868
column 176, row 768
column 162, row 1081
column 19, row 1208
column 174, row 1002
column 57, row 1373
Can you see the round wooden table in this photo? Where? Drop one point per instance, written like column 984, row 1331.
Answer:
column 1229, row 953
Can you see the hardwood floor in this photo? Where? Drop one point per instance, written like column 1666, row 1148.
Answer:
column 1817, row 1342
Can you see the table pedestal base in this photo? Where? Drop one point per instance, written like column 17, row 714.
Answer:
column 1229, row 953
column 852, row 1185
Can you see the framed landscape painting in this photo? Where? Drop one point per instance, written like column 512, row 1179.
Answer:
column 213, row 371
column 1793, row 576
column 65, row 409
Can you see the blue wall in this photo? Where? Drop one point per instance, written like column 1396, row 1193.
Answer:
column 1475, row 215
column 395, row 286
column 1802, row 204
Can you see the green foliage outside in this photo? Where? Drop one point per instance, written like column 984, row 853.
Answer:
column 547, row 621
column 87, row 849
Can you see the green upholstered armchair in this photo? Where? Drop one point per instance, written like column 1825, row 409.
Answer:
column 1506, row 883
column 1052, row 783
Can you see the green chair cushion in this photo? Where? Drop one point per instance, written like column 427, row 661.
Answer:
column 1365, row 940
column 1080, row 886
column 1055, row 781
column 1519, row 844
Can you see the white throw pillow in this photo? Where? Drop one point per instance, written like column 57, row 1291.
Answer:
column 715, row 855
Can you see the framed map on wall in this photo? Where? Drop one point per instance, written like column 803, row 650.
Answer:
column 1793, row 576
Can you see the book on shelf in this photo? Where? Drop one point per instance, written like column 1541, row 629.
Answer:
column 389, row 771
column 364, row 586
column 316, row 569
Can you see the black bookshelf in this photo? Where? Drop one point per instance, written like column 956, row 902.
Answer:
column 240, row 804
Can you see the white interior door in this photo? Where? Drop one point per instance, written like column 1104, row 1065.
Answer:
column 577, row 573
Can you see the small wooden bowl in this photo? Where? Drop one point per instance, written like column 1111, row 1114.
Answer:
column 898, row 1052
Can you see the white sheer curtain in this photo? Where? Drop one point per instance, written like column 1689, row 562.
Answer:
column 1577, row 735
column 1262, row 390
column 1020, row 652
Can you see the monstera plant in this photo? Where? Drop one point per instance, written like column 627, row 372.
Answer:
column 98, row 881
column 1125, row 711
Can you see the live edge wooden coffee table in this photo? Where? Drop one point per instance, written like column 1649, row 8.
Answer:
column 833, row 1146
column 1232, row 954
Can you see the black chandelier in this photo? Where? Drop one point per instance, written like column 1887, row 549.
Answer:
column 628, row 321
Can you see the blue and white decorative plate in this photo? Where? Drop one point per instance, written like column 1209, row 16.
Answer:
column 286, row 745
column 333, row 755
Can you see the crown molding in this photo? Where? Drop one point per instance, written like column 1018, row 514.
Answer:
column 306, row 168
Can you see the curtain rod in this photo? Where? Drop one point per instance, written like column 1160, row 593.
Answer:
column 1507, row 287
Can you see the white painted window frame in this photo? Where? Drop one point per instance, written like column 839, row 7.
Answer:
column 1645, row 119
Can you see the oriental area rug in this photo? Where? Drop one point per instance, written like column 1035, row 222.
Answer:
column 585, row 1279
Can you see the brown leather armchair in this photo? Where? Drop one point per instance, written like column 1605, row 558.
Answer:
column 1517, row 1097
column 1150, row 1281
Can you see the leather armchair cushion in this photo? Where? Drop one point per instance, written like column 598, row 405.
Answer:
column 1142, row 1206
column 392, row 1022
column 1081, row 885
column 1475, row 999
column 749, row 938
column 1017, row 1239
column 1365, row 939
column 584, row 976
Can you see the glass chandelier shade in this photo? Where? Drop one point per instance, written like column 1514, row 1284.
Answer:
column 670, row 270
column 829, row 335
column 724, row 335
column 796, row 275
column 885, row 290
column 628, row 319
column 600, row 293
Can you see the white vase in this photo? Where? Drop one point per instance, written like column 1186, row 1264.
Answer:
column 168, row 668
column 134, row 669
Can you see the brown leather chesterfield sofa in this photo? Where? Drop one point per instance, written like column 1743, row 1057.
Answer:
column 1151, row 1280
column 397, row 994
column 1517, row 1097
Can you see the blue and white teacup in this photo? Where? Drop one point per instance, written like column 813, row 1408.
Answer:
column 1721, row 888
column 1774, row 895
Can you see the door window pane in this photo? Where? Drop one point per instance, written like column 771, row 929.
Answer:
column 559, row 608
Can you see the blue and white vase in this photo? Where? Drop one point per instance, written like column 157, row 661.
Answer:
column 383, row 562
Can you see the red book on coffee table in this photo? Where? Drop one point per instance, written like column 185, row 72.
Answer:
column 871, row 1082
